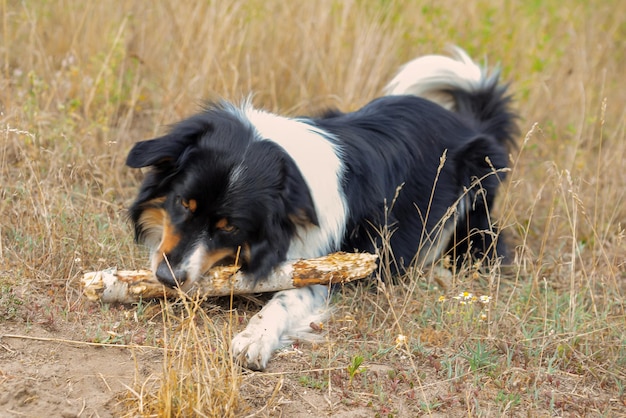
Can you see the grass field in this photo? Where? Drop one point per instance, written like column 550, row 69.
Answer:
column 81, row 81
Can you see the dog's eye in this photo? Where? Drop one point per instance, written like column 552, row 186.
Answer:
column 225, row 226
column 189, row 204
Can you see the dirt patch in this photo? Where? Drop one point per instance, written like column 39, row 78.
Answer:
column 56, row 369
column 48, row 376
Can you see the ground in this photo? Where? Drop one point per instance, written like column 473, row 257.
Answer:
column 94, row 360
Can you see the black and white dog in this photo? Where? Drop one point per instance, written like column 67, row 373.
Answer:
column 426, row 159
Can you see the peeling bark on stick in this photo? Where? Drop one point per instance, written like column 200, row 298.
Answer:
column 127, row 286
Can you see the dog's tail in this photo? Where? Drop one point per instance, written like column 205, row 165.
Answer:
column 460, row 85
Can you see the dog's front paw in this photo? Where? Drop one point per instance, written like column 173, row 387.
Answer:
column 252, row 348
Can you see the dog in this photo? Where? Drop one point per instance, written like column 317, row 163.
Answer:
column 234, row 182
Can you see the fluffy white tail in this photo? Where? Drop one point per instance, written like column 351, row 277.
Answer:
column 460, row 85
column 434, row 76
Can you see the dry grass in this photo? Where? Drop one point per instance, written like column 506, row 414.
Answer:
column 196, row 378
column 82, row 81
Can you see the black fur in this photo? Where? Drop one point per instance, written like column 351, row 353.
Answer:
column 396, row 142
column 196, row 161
column 406, row 161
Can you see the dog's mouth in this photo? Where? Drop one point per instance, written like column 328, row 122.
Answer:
column 199, row 263
column 225, row 262
column 211, row 261
column 216, row 258
column 225, row 257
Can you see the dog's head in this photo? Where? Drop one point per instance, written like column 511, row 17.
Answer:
column 216, row 194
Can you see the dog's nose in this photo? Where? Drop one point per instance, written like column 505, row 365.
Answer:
column 169, row 276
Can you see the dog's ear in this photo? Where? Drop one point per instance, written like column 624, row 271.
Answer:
column 275, row 169
column 287, row 203
column 171, row 147
column 296, row 195
column 156, row 151
column 294, row 206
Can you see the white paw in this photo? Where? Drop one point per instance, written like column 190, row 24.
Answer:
column 284, row 316
column 253, row 348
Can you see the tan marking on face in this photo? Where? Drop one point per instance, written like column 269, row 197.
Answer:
column 223, row 225
column 191, row 204
column 151, row 222
column 212, row 258
column 169, row 240
column 152, row 218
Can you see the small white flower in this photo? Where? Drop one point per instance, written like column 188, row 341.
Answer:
column 400, row 340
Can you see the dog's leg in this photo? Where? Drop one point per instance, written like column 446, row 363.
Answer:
column 287, row 314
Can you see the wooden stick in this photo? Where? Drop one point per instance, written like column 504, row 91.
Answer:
column 127, row 286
